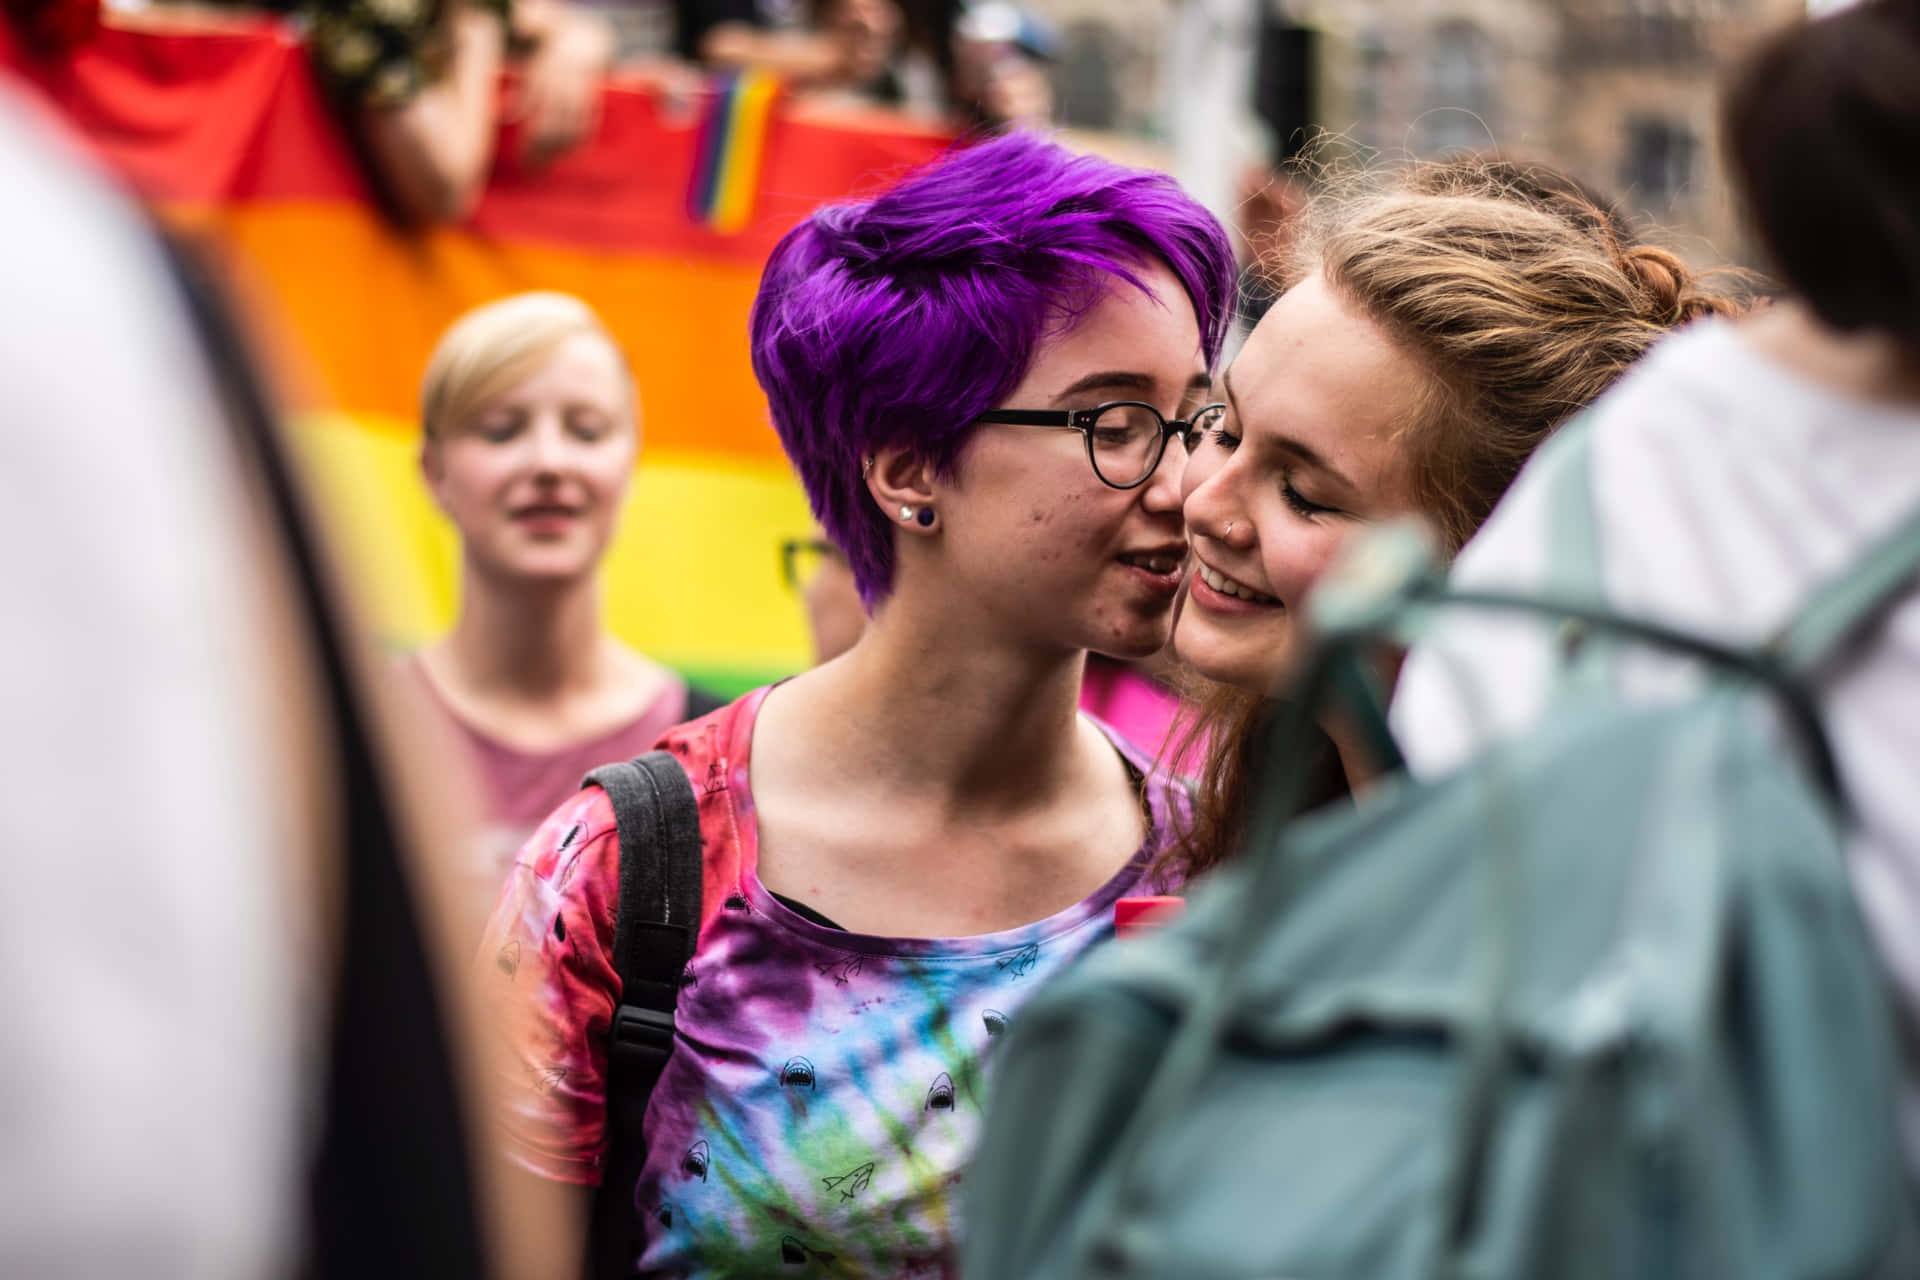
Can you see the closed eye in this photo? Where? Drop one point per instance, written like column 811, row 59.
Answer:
column 1301, row 505
column 500, row 428
column 588, row 425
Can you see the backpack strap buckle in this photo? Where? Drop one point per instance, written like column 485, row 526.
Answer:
column 642, row 1038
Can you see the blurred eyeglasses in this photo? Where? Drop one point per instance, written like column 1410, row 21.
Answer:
column 801, row 560
column 1125, row 440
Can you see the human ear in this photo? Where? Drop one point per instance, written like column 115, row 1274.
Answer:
column 902, row 485
column 432, row 469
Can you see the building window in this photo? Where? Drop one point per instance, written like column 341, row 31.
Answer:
column 1461, row 104
column 1658, row 167
column 1370, row 89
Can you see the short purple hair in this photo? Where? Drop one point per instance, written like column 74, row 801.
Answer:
column 901, row 319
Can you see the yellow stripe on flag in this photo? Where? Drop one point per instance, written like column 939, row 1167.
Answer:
column 740, row 177
column 692, row 577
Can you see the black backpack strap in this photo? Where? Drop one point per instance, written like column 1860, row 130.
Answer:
column 653, row 938
column 700, row 702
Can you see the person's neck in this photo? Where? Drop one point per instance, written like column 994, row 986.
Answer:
column 1866, row 365
column 958, row 719
column 526, row 641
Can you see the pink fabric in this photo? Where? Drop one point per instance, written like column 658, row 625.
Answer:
column 522, row 787
column 1141, row 711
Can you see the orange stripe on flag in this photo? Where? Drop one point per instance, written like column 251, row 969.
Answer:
column 366, row 308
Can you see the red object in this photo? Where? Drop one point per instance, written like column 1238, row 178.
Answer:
column 1135, row 916
column 53, row 28
column 233, row 115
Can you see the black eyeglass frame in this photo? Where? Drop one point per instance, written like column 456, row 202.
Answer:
column 790, row 549
column 1082, row 420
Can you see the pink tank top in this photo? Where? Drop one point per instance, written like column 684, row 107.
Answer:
column 520, row 788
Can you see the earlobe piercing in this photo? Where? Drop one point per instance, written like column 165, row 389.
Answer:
column 925, row 517
column 906, row 513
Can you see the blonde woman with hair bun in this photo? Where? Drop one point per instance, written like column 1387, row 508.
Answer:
column 531, row 429
column 1429, row 337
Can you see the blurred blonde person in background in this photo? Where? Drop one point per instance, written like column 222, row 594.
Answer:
column 531, row 431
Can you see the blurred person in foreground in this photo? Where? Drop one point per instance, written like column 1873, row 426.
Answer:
column 1742, row 464
column 232, row 1050
column 159, row 985
column 530, row 433
column 1429, row 338
column 985, row 377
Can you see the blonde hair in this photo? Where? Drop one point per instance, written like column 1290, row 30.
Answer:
column 1522, row 308
column 493, row 346
column 1523, row 303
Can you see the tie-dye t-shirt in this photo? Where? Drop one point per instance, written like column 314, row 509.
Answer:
column 824, row 1091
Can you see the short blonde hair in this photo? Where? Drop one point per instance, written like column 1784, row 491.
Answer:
column 493, row 346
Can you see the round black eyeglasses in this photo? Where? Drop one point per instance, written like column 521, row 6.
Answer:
column 1125, row 439
column 801, row 560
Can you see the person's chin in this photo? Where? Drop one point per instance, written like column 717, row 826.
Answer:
column 1141, row 640
column 550, row 570
column 1236, row 660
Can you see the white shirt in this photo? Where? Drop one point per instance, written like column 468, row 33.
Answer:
column 150, row 1086
column 1725, row 489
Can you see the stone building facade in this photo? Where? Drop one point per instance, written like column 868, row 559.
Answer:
column 1621, row 92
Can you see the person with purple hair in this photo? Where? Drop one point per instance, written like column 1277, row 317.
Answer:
column 985, row 377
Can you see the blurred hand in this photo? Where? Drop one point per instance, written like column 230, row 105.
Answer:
column 866, row 31
column 559, row 96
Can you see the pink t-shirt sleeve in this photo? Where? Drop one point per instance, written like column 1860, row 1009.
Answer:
column 550, row 989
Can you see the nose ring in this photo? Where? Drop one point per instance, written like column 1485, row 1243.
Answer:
column 1229, row 530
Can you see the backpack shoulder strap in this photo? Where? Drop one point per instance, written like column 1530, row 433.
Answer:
column 700, row 702
column 655, row 930
column 1848, row 603
column 1573, row 538
column 659, row 823
column 1573, row 543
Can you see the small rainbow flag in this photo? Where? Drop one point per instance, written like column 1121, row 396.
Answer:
column 731, row 146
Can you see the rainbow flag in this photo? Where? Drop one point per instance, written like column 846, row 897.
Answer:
column 225, row 133
column 731, row 149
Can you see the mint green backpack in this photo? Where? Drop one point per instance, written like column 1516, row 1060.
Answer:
column 1599, row 1005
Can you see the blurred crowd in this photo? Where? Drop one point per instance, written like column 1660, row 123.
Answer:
column 328, row 963
column 415, row 82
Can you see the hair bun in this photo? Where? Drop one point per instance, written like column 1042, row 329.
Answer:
column 1660, row 279
column 1668, row 290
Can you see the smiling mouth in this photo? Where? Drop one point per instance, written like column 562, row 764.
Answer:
column 545, row 513
column 1228, row 587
